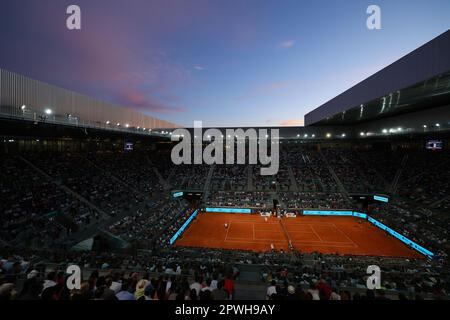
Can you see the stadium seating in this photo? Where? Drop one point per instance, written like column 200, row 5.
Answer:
column 49, row 200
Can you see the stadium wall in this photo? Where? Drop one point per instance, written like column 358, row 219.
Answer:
column 425, row 62
column 17, row 91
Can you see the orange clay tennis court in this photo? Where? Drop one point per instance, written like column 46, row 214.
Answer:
column 326, row 234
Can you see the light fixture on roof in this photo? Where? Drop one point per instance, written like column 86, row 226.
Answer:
column 385, row 131
column 313, row 136
column 399, row 129
column 23, row 107
column 343, row 135
column 425, row 126
column 126, row 125
column 437, row 124
column 107, row 122
column 361, row 134
column 118, row 124
column 298, row 135
column 48, row 111
column 305, row 135
column 328, row 135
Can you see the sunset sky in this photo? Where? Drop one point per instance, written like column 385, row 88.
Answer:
column 225, row 62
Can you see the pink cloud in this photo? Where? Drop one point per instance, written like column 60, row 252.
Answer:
column 106, row 63
column 145, row 102
column 292, row 122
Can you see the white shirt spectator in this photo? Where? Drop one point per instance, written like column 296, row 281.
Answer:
column 116, row 287
column 314, row 293
column 213, row 285
column 197, row 286
column 271, row 290
column 335, row 296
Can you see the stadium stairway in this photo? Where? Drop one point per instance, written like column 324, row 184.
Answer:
column 206, row 187
column 65, row 188
column 123, row 183
column 334, row 175
column 434, row 204
column 181, row 210
column 169, row 177
column 424, row 172
column 94, row 228
column 106, row 219
column 394, row 184
column 249, row 178
column 294, row 186
column 379, row 176
column 162, row 181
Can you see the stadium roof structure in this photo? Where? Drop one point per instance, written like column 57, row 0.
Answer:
column 418, row 81
column 22, row 98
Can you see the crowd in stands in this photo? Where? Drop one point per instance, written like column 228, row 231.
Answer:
column 355, row 175
column 186, row 176
column 82, row 176
column 135, row 170
column 239, row 199
column 319, row 200
column 31, row 203
column 164, row 240
column 329, row 277
column 229, row 177
column 421, row 225
column 213, row 274
column 48, row 197
column 147, row 225
column 427, row 185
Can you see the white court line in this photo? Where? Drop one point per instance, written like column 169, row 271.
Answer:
column 309, row 223
column 335, row 227
column 338, row 244
column 299, row 231
column 302, row 241
column 317, row 235
column 349, row 245
column 345, row 235
column 264, row 223
column 254, row 241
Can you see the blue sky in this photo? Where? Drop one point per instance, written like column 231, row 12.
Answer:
column 227, row 63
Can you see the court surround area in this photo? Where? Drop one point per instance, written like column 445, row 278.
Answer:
column 325, row 234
